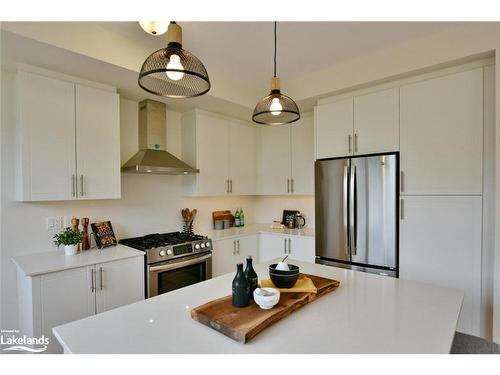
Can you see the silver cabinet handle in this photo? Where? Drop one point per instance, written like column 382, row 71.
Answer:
column 227, row 186
column 355, row 142
column 238, row 247
column 401, row 206
column 92, row 275
column 81, row 185
column 284, row 240
column 100, row 277
column 234, row 247
column 349, row 143
column 287, row 185
column 292, row 187
column 231, row 186
column 401, row 176
column 289, row 246
column 73, row 185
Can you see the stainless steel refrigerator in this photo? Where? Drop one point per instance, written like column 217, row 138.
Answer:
column 357, row 213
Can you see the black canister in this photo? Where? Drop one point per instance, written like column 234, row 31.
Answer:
column 240, row 288
column 251, row 276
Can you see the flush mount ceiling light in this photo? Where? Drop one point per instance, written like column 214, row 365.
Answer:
column 154, row 27
column 276, row 108
column 172, row 71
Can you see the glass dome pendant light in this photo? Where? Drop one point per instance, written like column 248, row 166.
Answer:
column 276, row 108
column 174, row 72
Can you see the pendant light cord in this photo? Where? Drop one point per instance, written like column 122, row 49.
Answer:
column 275, row 48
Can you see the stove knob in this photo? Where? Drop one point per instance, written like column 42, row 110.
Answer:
column 207, row 244
column 197, row 246
column 202, row 245
column 162, row 253
column 169, row 252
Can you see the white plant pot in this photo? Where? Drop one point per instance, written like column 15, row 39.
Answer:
column 70, row 249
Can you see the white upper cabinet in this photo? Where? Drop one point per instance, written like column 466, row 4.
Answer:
column 66, row 131
column 242, row 163
column 97, row 143
column 334, row 128
column 273, row 160
column 302, row 143
column 376, row 122
column 442, row 135
column 46, row 138
column 223, row 150
column 285, row 158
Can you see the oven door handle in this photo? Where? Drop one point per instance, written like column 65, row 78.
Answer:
column 175, row 265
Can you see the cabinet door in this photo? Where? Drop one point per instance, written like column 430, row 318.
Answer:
column 224, row 258
column 274, row 160
column 440, row 244
column 271, row 246
column 334, row 128
column 65, row 296
column 97, row 143
column 302, row 248
column 46, row 138
column 119, row 283
column 242, row 168
column 376, row 122
column 302, row 141
column 442, row 135
column 212, row 142
column 248, row 246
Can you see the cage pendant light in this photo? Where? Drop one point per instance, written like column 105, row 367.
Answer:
column 276, row 108
column 174, row 72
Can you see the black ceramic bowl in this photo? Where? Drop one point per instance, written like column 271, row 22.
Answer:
column 293, row 270
column 284, row 279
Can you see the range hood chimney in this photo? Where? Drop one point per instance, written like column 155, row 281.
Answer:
column 152, row 156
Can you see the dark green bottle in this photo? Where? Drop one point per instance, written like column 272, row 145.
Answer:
column 251, row 276
column 240, row 288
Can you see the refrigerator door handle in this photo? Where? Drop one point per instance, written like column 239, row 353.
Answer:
column 345, row 208
column 352, row 208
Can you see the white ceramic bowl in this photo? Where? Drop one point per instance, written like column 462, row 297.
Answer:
column 266, row 302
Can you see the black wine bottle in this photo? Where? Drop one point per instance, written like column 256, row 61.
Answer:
column 240, row 288
column 251, row 276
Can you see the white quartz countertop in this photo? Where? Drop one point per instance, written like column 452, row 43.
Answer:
column 53, row 261
column 366, row 314
column 251, row 229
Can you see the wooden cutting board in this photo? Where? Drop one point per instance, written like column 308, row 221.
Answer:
column 243, row 324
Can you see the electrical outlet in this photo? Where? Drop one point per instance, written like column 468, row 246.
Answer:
column 54, row 223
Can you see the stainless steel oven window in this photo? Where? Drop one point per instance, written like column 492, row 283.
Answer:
column 199, row 266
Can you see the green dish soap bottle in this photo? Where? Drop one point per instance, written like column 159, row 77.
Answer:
column 237, row 220
column 242, row 218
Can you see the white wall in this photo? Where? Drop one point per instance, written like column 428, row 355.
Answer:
column 149, row 203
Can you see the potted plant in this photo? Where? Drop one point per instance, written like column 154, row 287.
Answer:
column 70, row 239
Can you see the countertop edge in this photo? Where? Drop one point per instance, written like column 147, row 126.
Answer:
column 128, row 252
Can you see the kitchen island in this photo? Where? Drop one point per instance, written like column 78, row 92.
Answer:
column 366, row 314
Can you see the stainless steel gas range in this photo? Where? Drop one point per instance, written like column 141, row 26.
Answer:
column 173, row 260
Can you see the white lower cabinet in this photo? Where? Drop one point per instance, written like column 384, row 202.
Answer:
column 227, row 253
column 52, row 299
column 272, row 246
column 440, row 244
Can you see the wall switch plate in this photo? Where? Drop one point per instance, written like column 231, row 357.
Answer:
column 55, row 223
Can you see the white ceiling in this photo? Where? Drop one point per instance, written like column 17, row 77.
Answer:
column 244, row 50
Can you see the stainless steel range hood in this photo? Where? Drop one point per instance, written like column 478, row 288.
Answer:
column 152, row 157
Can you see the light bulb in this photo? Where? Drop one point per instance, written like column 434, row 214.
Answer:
column 276, row 107
column 175, row 63
column 154, row 27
